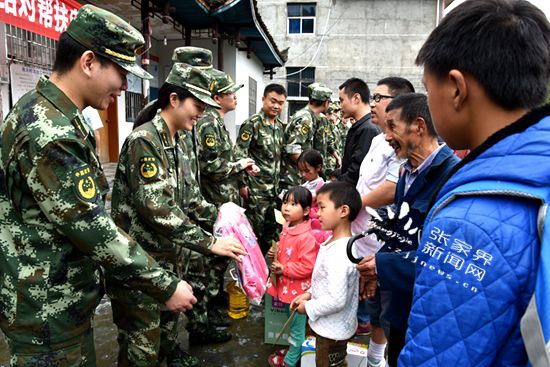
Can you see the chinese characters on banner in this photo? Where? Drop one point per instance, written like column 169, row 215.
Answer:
column 45, row 17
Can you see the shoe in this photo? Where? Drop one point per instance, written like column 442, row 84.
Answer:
column 218, row 317
column 363, row 329
column 180, row 358
column 282, row 352
column 276, row 360
column 375, row 363
column 209, row 336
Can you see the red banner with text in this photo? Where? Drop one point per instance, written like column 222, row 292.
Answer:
column 46, row 17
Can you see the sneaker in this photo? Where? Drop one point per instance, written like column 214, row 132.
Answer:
column 209, row 336
column 375, row 363
column 180, row 358
column 276, row 360
column 218, row 317
column 363, row 329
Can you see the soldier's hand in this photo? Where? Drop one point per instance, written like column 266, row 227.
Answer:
column 245, row 163
column 244, row 192
column 253, row 170
column 182, row 299
column 230, row 247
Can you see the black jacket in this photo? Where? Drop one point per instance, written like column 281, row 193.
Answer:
column 358, row 141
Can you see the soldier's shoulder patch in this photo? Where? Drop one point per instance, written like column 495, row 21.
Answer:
column 245, row 135
column 210, row 140
column 304, row 129
column 84, row 183
column 148, row 167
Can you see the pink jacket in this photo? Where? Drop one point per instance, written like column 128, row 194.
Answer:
column 297, row 251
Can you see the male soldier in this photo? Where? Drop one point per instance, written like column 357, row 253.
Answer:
column 220, row 173
column 55, row 231
column 261, row 138
column 299, row 133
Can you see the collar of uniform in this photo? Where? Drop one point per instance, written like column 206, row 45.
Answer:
column 52, row 93
column 163, row 131
column 214, row 112
column 265, row 119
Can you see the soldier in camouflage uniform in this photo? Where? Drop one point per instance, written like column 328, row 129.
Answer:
column 261, row 138
column 56, row 233
column 325, row 143
column 220, row 174
column 156, row 199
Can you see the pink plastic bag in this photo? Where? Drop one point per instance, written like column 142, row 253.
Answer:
column 252, row 270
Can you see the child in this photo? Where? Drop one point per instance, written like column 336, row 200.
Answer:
column 293, row 265
column 333, row 176
column 331, row 302
column 310, row 164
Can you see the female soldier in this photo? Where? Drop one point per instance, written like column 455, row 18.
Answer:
column 154, row 195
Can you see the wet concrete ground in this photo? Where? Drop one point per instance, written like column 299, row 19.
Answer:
column 245, row 349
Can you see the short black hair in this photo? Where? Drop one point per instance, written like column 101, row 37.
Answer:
column 343, row 193
column 413, row 105
column 397, row 85
column 311, row 156
column 316, row 102
column 68, row 52
column 274, row 87
column 335, row 173
column 503, row 44
column 299, row 195
column 356, row 85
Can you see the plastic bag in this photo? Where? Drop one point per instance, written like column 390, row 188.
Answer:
column 252, row 270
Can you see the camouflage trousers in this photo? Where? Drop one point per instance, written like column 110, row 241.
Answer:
column 260, row 213
column 194, row 272
column 217, row 266
column 78, row 352
column 146, row 333
column 290, row 175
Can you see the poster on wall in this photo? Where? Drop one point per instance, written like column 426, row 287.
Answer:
column 23, row 79
column 49, row 18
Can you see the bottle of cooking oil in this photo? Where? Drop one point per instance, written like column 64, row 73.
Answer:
column 238, row 301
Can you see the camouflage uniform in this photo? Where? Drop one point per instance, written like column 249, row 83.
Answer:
column 262, row 141
column 55, row 231
column 325, row 143
column 298, row 137
column 157, row 200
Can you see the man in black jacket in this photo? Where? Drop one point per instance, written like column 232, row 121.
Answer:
column 354, row 97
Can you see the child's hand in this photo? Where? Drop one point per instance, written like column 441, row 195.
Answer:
column 277, row 268
column 296, row 302
column 271, row 254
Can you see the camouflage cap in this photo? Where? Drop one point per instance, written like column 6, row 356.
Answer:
column 319, row 92
column 195, row 80
column 333, row 107
column 108, row 35
column 195, row 56
column 224, row 83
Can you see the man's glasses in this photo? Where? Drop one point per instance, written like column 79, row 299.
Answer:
column 376, row 97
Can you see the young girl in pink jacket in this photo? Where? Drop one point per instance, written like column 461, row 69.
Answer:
column 293, row 264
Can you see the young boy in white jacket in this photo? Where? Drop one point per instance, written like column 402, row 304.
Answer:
column 331, row 302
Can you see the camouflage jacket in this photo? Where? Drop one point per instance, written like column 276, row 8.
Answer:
column 298, row 137
column 55, row 230
column 220, row 172
column 342, row 132
column 156, row 197
column 325, row 142
column 262, row 141
column 192, row 152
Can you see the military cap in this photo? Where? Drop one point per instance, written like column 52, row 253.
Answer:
column 195, row 80
column 319, row 92
column 333, row 107
column 224, row 83
column 108, row 35
column 195, row 56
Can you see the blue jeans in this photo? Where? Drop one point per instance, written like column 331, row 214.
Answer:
column 363, row 312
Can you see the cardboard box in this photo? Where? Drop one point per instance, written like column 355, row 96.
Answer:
column 357, row 354
column 275, row 318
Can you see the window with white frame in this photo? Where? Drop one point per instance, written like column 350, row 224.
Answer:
column 301, row 18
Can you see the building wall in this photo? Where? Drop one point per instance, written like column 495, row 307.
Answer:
column 369, row 39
